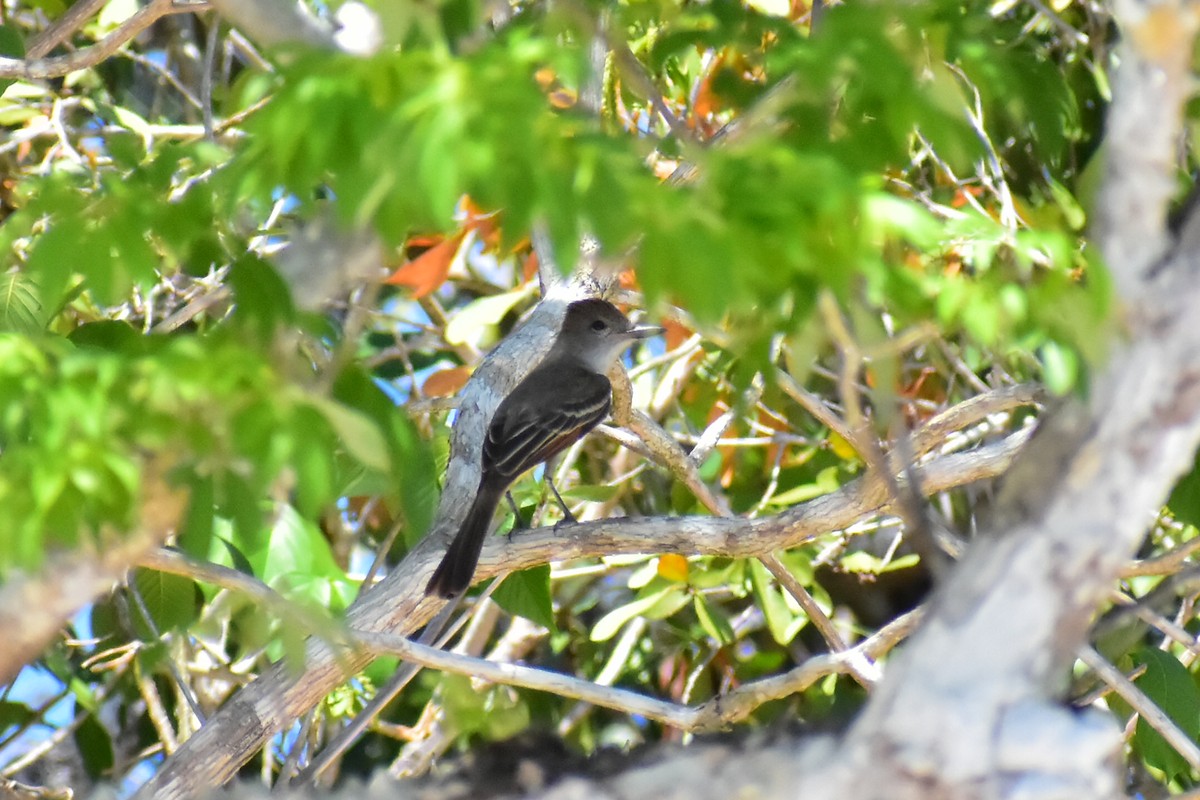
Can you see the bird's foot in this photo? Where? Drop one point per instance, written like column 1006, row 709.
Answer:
column 567, row 515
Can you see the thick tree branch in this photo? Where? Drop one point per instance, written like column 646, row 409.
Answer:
column 397, row 605
column 1004, row 630
column 272, row 23
column 33, row 608
column 1142, row 132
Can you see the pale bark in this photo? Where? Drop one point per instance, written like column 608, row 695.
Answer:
column 971, row 708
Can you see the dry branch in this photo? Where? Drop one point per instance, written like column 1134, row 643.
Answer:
column 57, row 66
column 397, row 605
column 34, row 608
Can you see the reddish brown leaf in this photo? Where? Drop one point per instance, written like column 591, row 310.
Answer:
column 928, row 385
column 676, row 333
column 428, row 271
column 378, row 517
column 628, row 280
column 445, row 382
column 707, row 103
column 531, row 266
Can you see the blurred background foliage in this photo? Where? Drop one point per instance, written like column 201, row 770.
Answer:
column 927, row 166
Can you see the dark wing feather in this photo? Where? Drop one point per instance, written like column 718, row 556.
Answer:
column 547, row 412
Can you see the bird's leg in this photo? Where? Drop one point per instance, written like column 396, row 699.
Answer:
column 518, row 523
column 567, row 515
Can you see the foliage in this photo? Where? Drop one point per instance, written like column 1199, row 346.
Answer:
column 923, row 165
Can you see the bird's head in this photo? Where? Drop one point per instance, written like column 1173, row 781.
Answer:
column 596, row 332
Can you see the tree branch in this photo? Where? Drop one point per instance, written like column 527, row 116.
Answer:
column 34, row 608
column 714, row 714
column 1006, row 626
column 61, row 29
column 397, row 605
column 56, row 67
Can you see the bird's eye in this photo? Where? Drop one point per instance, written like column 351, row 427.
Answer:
column 599, row 325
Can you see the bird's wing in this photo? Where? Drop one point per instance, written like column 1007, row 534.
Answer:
column 542, row 417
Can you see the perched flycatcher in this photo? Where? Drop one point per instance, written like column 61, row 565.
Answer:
column 563, row 398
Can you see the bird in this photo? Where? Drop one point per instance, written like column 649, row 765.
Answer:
column 559, row 401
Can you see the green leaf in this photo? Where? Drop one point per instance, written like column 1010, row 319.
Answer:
column 357, row 431
column 474, row 322
column 496, row 713
column 464, row 708
column 20, row 304
column 527, row 594
column 607, row 626
column 108, row 334
column 1072, row 210
column 295, row 559
column 196, row 534
column 13, row 46
column 115, row 12
column 1172, row 688
column 95, row 747
column 264, row 302
column 173, row 602
column 713, row 620
column 54, row 258
column 413, row 469
column 1060, row 368
column 134, row 122
column 825, row 483
column 12, row 714
column 1184, row 501
column 783, row 623
column 861, row 561
column 236, row 556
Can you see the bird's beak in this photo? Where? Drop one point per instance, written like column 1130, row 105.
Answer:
column 644, row 331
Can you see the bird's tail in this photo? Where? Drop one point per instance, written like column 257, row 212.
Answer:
column 454, row 574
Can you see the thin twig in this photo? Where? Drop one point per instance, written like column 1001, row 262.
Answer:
column 1146, row 708
column 618, row 658
column 207, row 77
column 862, row 670
column 62, row 28
column 56, row 67
column 1166, row 564
column 814, row 405
column 713, row 714
column 668, row 452
column 184, row 689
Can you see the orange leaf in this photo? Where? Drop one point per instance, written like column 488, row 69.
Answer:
column 727, row 472
column 627, row 278
column 545, row 78
column 487, row 230
column 677, row 333
column 428, row 271
column 706, row 99
column 928, row 385
column 531, row 267
column 673, row 567
column 486, row 225
column 470, row 209
column 445, row 382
